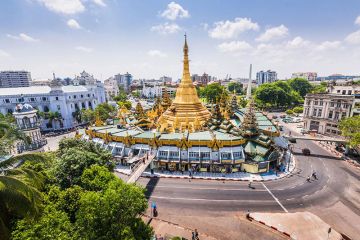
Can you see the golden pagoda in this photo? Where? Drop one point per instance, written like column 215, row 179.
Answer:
column 187, row 108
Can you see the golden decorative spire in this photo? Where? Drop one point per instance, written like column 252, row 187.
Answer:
column 186, row 105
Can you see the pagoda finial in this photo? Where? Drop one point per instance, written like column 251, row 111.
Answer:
column 186, row 71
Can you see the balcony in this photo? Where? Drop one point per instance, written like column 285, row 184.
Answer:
column 28, row 125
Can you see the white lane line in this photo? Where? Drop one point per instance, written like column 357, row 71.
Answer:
column 208, row 200
column 207, row 188
column 277, row 200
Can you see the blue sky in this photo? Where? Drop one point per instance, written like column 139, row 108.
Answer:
column 145, row 38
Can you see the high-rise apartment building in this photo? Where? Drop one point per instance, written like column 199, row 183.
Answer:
column 124, row 80
column 12, row 79
column 266, row 77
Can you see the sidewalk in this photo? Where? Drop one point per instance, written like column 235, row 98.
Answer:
column 239, row 176
column 299, row 225
column 168, row 230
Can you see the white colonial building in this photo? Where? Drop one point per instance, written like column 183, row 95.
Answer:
column 66, row 101
column 323, row 111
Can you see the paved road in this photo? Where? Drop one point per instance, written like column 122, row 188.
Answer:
column 335, row 196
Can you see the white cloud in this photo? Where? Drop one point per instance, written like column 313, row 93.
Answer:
column 23, row 37
column 327, row 45
column 4, row 54
column 156, row 53
column 297, row 42
column 353, row 38
column 357, row 20
column 166, row 28
column 174, row 11
column 273, row 33
column 234, row 46
column 204, row 26
column 64, row 6
column 84, row 49
column 100, row 3
column 230, row 29
column 72, row 23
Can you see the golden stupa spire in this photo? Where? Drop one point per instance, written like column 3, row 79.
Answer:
column 186, row 105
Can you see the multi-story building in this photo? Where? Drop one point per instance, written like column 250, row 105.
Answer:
column 124, row 80
column 84, row 79
column 322, row 112
column 166, row 80
column 266, row 77
column 111, row 88
column 339, row 77
column 13, row 79
column 154, row 91
column 66, row 101
column 310, row 76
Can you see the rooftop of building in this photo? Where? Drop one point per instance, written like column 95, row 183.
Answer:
column 40, row 90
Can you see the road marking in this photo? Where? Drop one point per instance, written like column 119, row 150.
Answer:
column 277, row 200
column 208, row 200
column 205, row 188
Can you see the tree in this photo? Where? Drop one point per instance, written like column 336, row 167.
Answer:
column 74, row 156
column 122, row 96
column 19, row 190
column 271, row 95
column 53, row 224
column 302, row 86
column 284, row 85
column 212, row 92
column 127, row 104
column 136, row 93
column 298, row 109
column 321, row 88
column 105, row 111
column 350, row 128
column 235, row 86
column 289, row 112
column 113, row 213
column 87, row 115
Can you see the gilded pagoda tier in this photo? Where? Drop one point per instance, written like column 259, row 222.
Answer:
column 186, row 112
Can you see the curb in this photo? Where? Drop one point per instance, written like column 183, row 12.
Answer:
column 270, row 226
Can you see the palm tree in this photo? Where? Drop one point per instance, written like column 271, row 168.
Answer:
column 19, row 194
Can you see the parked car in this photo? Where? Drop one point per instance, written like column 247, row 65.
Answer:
column 274, row 117
column 306, row 151
column 299, row 126
column 292, row 140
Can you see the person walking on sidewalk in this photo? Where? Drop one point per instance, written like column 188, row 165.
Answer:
column 195, row 235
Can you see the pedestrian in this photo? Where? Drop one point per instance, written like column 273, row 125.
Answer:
column 195, row 235
column 308, row 179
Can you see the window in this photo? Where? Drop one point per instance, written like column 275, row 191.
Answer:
column 72, row 106
column 316, row 103
column 32, row 99
column 163, row 153
column 46, row 109
column 345, row 105
column 343, row 92
column 69, row 97
column 44, row 99
column 226, row 156
column 319, row 112
column 349, row 92
column 321, row 103
column 194, row 154
column 174, row 154
column 338, row 104
column 88, row 95
column 336, row 116
column 7, row 100
column 338, row 91
column 343, row 115
column 58, row 107
column 57, row 98
column 332, row 104
column 205, row 155
column 314, row 113
column 82, row 96
column 237, row 154
column 74, row 96
column 330, row 114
